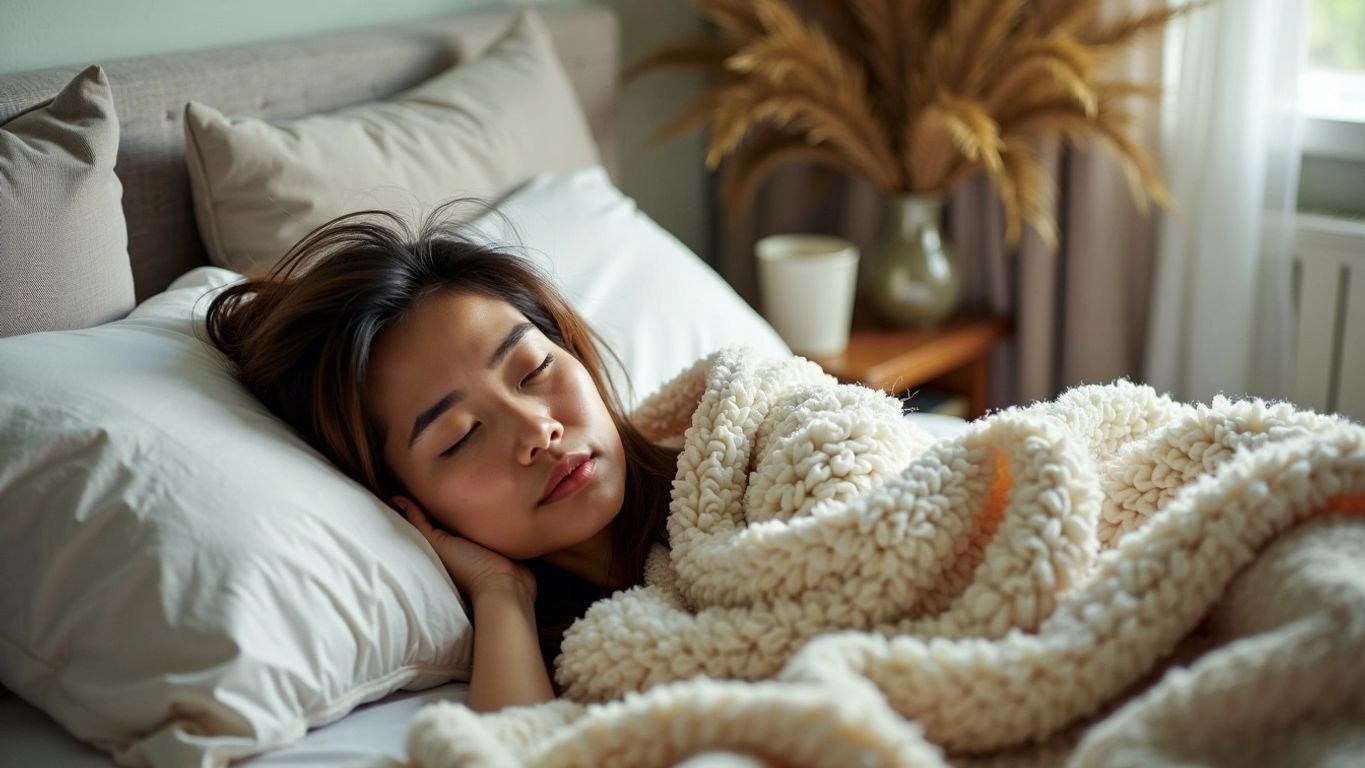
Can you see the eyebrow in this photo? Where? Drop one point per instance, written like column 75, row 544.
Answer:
column 434, row 411
column 513, row 336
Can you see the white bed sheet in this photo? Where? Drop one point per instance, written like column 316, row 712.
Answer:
column 30, row 739
column 939, row 426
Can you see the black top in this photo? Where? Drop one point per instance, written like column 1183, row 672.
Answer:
column 561, row 599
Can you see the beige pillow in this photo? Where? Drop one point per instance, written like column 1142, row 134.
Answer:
column 477, row 129
column 63, row 241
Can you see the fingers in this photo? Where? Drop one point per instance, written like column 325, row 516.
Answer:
column 414, row 515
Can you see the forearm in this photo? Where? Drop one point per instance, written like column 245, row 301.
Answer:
column 508, row 668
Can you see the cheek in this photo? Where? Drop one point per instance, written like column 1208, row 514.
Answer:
column 586, row 402
column 461, row 496
column 592, row 412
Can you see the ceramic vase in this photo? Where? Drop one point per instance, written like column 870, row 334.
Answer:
column 913, row 280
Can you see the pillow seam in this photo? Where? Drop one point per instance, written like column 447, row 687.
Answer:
column 34, row 107
column 216, row 248
column 347, row 702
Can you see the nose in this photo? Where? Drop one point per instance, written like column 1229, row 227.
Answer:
column 539, row 432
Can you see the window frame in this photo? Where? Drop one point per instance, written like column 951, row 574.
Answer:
column 1327, row 135
column 1330, row 138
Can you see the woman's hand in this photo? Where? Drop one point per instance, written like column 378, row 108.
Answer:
column 508, row 668
column 475, row 569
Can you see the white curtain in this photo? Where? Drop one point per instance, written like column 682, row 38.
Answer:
column 1220, row 313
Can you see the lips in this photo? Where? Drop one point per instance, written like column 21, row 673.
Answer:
column 567, row 476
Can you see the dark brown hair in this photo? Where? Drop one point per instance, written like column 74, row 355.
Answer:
column 301, row 338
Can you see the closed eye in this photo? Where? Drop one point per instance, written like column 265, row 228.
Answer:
column 452, row 449
column 550, row 358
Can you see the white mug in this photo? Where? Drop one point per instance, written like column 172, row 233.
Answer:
column 806, row 285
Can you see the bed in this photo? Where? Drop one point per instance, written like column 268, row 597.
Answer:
column 1110, row 578
column 371, row 732
column 140, row 176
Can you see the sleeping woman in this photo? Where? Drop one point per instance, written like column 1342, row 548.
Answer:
column 454, row 381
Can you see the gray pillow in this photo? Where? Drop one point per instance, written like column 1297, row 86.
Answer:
column 478, row 129
column 63, row 242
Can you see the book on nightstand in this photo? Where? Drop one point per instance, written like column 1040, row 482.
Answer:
column 930, row 400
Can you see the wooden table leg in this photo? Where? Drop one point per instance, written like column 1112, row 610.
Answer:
column 978, row 386
column 973, row 381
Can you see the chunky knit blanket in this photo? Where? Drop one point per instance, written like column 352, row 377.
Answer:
column 1112, row 578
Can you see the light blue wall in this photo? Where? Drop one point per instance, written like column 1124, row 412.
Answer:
column 48, row 33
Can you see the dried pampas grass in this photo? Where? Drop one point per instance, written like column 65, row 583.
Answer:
column 915, row 95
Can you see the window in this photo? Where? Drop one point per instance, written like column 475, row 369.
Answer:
column 1332, row 86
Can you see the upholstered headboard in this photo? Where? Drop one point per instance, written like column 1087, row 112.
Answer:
column 289, row 79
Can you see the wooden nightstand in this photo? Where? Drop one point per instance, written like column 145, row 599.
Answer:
column 954, row 356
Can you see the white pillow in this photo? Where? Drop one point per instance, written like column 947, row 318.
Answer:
column 185, row 581
column 657, row 304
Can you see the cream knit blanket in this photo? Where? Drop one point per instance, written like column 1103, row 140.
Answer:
column 1112, row 578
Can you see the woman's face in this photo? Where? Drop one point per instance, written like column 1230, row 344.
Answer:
column 483, row 415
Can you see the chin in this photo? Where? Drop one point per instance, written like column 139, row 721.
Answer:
column 596, row 519
column 613, row 505
column 599, row 517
